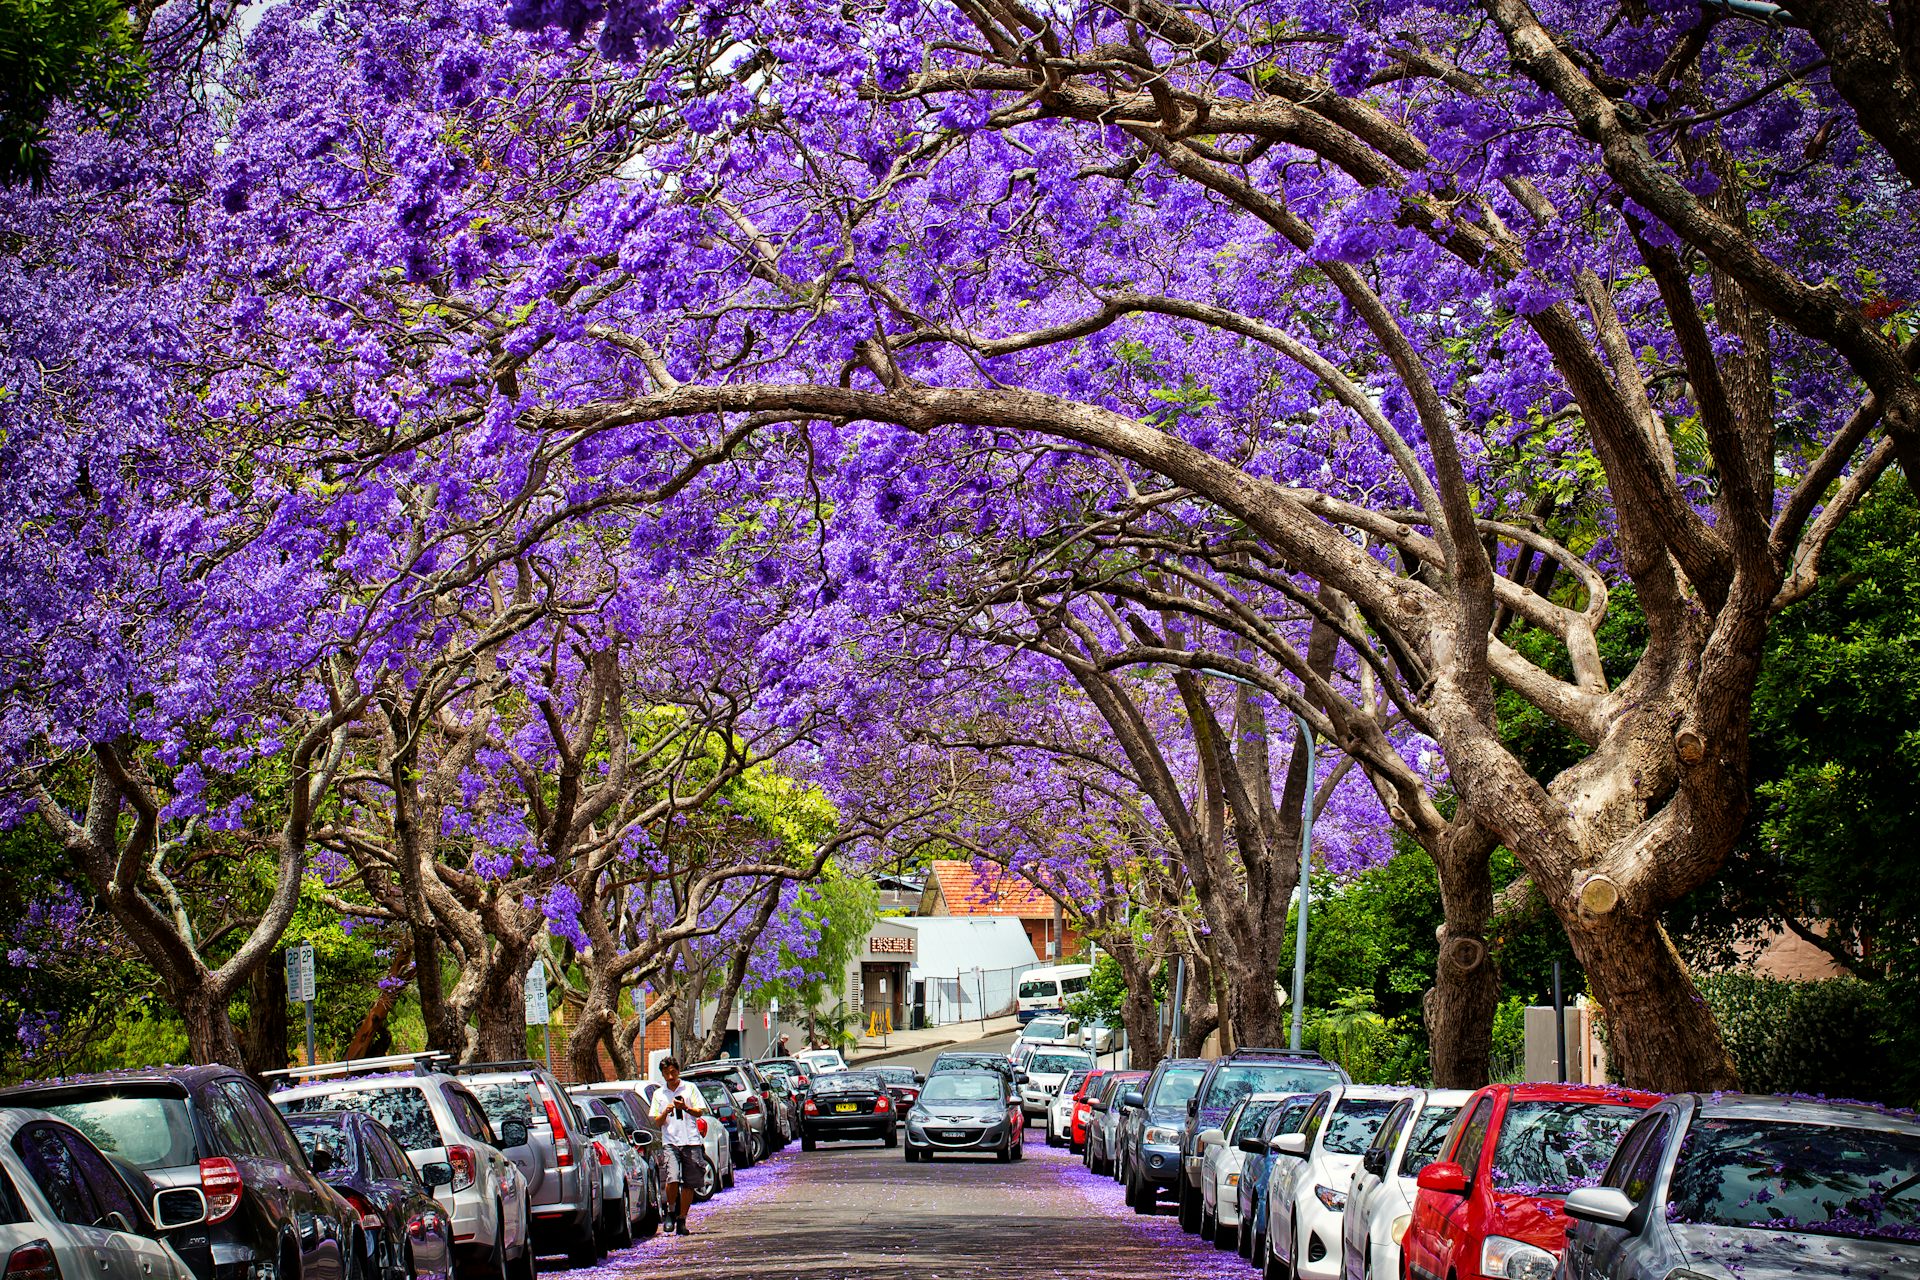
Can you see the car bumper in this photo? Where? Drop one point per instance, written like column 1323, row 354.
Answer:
column 818, row 1126
column 957, row 1137
column 470, row 1218
column 1317, row 1225
column 1159, row 1164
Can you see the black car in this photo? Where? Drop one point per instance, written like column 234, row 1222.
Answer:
column 268, row 1214
column 1229, row 1078
column 848, row 1104
column 403, row 1233
column 1150, row 1148
column 964, row 1111
column 903, row 1083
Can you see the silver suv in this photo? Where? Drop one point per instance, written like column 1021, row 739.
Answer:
column 438, row 1121
column 563, row 1178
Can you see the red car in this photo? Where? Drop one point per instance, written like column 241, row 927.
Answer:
column 1082, row 1109
column 1490, row 1207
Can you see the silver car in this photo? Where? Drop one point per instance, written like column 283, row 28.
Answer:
column 1736, row 1187
column 629, row 1201
column 436, row 1119
column 563, row 1183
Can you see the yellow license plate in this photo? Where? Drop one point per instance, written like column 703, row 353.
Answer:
column 848, row 1106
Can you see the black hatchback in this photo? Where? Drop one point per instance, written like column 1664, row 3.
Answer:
column 403, row 1233
column 848, row 1104
column 269, row 1217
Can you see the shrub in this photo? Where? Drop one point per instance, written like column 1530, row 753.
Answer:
column 1839, row 1037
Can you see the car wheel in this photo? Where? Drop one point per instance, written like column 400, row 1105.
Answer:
column 583, row 1250
column 1270, row 1264
column 808, row 1142
column 1225, row 1237
column 891, row 1138
column 1189, row 1207
column 522, row 1268
column 1005, row 1154
column 726, row 1179
column 1019, row 1151
column 1293, row 1263
column 1144, row 1196
column 1209, row 1224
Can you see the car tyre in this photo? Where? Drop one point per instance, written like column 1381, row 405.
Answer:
column 1225, row 1237
column 583, row 1249
column 1144, row 1197
column 1270, row 1262
column 1189, row 1207
column 1209, row 1224
column 808, row 1142
column 1005, row 1154
column 1019, row 1151
column 891, row 1138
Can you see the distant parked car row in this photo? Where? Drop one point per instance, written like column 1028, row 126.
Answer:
column 1509, row 1182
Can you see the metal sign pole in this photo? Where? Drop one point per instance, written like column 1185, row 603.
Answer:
column 300, row 986
column 1306, row 867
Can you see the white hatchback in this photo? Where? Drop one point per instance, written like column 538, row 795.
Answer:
column 1221, row 1163
column 1380, row 1203
column 1307, row 1193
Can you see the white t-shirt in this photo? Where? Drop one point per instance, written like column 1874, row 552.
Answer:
column 679, row 1130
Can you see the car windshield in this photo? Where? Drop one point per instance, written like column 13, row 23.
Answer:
column 620, row 1108
column 317, row 1135
column 894, row 1075
column 1429, row 1135
column 1176, row 1086
column 715, row 1093
column 152, row 1132
column 1230, row 1084
column 1072, row 1082
column 1252, row 1116
column 1291, row 1115
column 1351, row 1128
column 1038, row 988
column 1811, row 1178
column 1046, row 1029
column 970, row 1086
column 402, row 1108
column 1053, row 1064
column 1550, row 1148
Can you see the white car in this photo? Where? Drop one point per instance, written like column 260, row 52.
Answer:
column 1046, row 1067
column 1052, row 1028
column 1307, row 1195
column 713, row 1135
column 436, row 1118
column 1060, row 1111
column 821, row 1062
column 1221, row 1162
column 70, row 1212
column 1380, row 1202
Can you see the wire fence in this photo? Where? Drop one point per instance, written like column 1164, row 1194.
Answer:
column 967, row 996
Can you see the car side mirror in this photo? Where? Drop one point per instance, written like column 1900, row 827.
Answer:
column 1098, row 1104
column 1133, row 1098
column 179, row 1207
column 1606, row 1206
column 322, row 1160
column 513, row 1133
column 1019, row 1077
column 1253, row 1146
column 1193, row 1107
column 436, row 1175
column 598, row 1126
column 1443, row 1176
column 1375, row 1161
column 1289, row 1144
column 1211, row 1137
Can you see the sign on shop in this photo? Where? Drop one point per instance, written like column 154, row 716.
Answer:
column 887, row 944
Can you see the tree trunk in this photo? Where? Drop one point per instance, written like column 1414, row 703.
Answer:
column 264, row 1042
column 595, row 1023
column 210, row 1034
column 372, row 1037
column 500, row 1008
column 1466, row 985
column 1660, row 1033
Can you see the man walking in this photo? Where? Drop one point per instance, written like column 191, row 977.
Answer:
column 677, row 1109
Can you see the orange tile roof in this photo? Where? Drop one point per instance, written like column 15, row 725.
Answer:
column 999, row 893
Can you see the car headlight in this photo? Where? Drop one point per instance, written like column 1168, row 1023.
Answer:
column 1506, row 1259
column 1165, row 1137
column 1334, row 1200
column 1400, row 1225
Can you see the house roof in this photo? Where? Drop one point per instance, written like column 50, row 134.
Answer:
column 966, row 892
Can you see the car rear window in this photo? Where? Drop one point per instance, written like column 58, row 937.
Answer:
column 1230, row 1084
column 1550, row 1148
column 1176, row 1087
column 509, row 1100
column 313, row 1135
column 850, row 1082
column 1057, row 1064
column 402, row 1108
column 1809, row 1178
column 150, row 1131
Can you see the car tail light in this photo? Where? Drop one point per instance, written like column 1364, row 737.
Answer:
column 811, row 1107
column 700, row 1123
column 752, row 1105
column 220, row 1180
column 882, row 1103
column 423, row 1224
column 362, row 1206
column 909, row 1095
column 803, row 1082
column 466, row 1166
column 33, row 1260
column 562, row 1144
column 601, row 1154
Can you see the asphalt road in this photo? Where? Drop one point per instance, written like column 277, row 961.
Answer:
column 924, row 1059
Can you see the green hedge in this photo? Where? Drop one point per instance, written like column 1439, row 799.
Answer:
column 1839, row 1037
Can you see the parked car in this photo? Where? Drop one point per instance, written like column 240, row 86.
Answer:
column 1103, row 1119
column 1754, row 1187
column 966, row 1111
column 632, row 1101
column 1380, row 1203
column 1048, row 1028
column 1307, row 1189
column 437, row 1120
column 629, row 1197
column 1150, row 1138
column 1049, row 1066
column 210, row 1127
column 404, row 1233
column 791, row 1070
column 969, row 1060
column 1257, row 1174
column 903, row 1083
column 1494, row 1204
column 849, row 1104
column 1230, row 1078
column 753, row 1099
column 563, row 1183
column 820, row 1062
column 1221, row 1162
column 66, row 1210
column 1101, row 1038
column 1065, row 1124
column 732, row 1136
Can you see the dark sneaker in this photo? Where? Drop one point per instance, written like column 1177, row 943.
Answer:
column 680, row 1229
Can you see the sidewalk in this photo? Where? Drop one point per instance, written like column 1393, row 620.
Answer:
column 905, row 1042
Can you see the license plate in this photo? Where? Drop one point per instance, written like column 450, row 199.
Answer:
column 956, row 1135
column 847, row 1106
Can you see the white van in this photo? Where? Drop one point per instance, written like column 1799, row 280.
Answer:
column 1046, row 990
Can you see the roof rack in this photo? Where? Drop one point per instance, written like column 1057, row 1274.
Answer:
column 475, row 1068
column 420, row 1063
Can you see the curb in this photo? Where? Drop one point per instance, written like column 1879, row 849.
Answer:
column 880, row 1055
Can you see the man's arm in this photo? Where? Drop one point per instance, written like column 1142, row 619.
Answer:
column 697, row 1104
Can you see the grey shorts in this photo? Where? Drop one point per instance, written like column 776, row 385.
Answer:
column 685, row 1165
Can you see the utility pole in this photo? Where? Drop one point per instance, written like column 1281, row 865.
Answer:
column 1306, row 866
